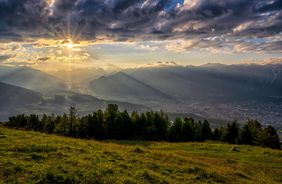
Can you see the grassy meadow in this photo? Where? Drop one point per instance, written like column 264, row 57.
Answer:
column 32, row 157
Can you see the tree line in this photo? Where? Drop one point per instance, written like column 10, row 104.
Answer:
column 114, row 124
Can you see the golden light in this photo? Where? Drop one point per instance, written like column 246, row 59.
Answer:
column 70, row 44
column 51, row 2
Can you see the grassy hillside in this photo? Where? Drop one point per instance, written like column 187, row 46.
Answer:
column 31, row 157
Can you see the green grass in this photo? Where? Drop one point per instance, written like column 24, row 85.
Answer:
column 31, row 157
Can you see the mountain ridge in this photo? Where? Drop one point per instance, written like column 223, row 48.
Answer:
column 122, row 88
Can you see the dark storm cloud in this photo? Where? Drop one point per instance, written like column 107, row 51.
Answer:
column 235, row 21
column 272, row 6
column 19, row 16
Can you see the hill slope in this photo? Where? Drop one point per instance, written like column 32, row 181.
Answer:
column 125, row 87
column 217, row 82
column 13, row 97
column 16, row 100
column 53, row 159
column 31, row 79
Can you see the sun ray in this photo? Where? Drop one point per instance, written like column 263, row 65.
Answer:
column 70, row 44
column 51, row 2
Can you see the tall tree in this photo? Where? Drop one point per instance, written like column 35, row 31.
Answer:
column 268, row 137
column 175, row 130
column 161, row 125
column 198, row 131
column 246, row 136
column 255, row 128
column 72, row 120
column 231, row 133
column 206, row 132
column 110, row 116
column 187, row 133
column 216, row 134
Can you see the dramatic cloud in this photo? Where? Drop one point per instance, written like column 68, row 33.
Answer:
column 230, row 25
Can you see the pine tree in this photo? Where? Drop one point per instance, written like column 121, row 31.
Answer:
column 255, row 129
column 246, row 136
column 175, row 130
column 187, row 133
column 268, row 137
column 72, row 120
column 231, row 133
column 206, row 132
column 216, row 134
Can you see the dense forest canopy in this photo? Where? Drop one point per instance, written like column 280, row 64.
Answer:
column 156, row 126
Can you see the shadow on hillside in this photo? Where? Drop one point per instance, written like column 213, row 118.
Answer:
column 130, row 142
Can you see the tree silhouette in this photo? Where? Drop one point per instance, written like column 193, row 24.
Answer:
column 72, row 120
column 187, row 129
column 268, row 137
column 206, row 132
column 231, row 133
column 113, row 124
column 246, row 136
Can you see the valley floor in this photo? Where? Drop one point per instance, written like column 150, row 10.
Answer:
column 31, row 157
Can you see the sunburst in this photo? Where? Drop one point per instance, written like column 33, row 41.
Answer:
column 70, row 44
column 51, row 2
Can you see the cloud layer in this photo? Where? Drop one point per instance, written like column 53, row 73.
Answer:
column 233, row 25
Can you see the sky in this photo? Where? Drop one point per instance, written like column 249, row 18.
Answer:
column 53, row 34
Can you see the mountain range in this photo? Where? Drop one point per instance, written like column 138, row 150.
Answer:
column 123, row 86
column 31, row 79
column 208, row 82
column 26, row 90
column 213, row 91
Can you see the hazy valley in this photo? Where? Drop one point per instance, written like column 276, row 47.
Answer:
column 213, row 91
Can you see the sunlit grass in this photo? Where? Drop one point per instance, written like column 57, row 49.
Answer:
column 31, row 157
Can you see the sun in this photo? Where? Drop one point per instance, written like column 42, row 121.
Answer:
column 51, row 2
column 69, row 44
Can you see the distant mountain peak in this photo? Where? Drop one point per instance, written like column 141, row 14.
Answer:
column 163, row 64
column 210, row 65
column 32, row 79
column 273, row 61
